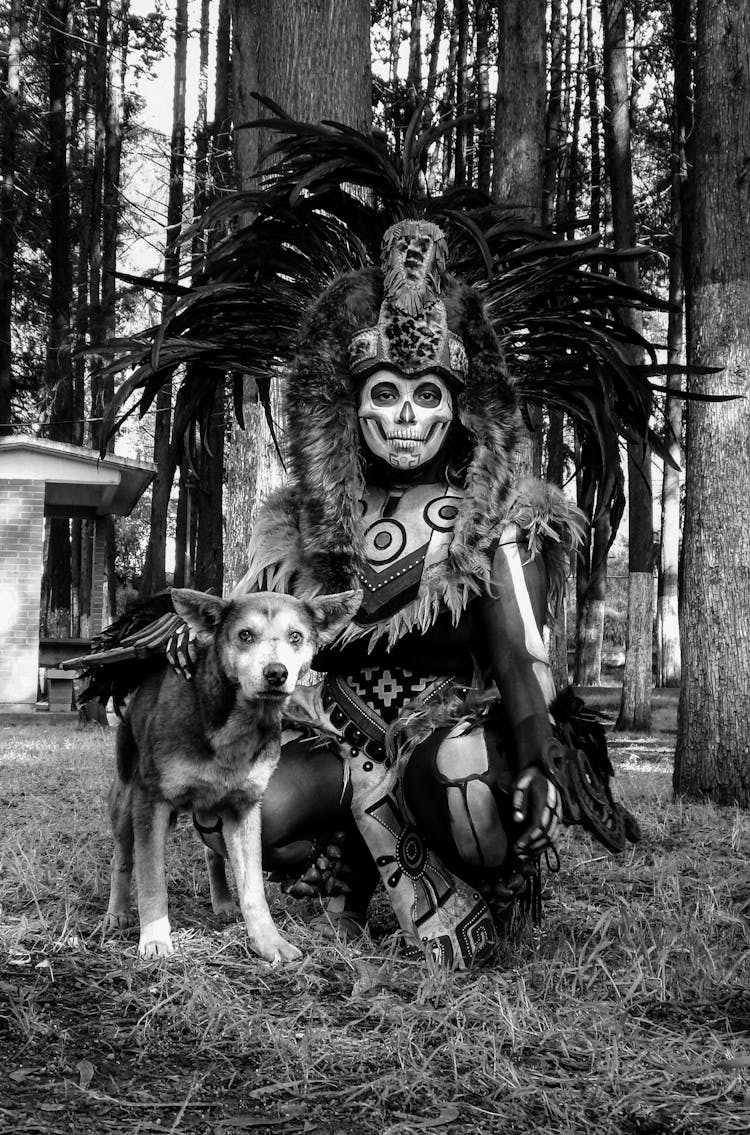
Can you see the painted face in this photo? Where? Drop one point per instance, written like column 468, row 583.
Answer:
column 405, row 420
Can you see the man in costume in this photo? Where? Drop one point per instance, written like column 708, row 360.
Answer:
column 432, row 728
column 434, row 753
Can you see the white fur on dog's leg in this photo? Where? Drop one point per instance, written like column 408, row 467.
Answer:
column 150, row 823
column 156, row 940
column 243, row 844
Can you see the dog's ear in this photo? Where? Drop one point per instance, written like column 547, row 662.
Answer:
column 331, row 613
column 201, row 612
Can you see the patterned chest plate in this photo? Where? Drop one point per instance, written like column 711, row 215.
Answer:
column 405, row 532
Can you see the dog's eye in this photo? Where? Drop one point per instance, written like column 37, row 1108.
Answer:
column 246, row 635
column 296, row 637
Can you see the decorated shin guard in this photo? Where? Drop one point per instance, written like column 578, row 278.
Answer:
column 440, row 915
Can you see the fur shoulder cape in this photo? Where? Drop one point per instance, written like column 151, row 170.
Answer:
column 280, row 557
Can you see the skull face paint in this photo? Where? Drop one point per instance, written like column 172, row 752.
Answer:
column 404, row 421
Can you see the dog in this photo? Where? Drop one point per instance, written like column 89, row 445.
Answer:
column 209, row 745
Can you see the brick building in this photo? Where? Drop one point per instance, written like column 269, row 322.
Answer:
column 46, row 478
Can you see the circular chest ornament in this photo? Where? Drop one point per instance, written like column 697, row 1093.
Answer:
column 440, row 514
column 385, row 541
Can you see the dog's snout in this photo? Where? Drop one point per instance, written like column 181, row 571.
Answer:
column 275, row 674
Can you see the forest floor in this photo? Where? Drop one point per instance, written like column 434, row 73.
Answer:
column 627, row 1012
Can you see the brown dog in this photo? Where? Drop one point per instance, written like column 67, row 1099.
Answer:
column 209, row 745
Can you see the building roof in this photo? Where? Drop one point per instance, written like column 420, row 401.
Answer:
column 77, row 481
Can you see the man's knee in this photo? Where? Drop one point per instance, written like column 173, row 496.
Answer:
column 456, row 787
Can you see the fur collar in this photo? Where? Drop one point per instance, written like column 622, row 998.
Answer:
column 280, row 558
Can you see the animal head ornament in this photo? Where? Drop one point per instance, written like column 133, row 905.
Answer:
column 411, row 335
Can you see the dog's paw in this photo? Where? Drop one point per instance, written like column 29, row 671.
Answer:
column 276, row 949
column 115, row 921
column 156, row 940
column 155, row 949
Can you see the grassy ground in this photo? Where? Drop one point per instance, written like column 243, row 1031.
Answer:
column 626, row 1013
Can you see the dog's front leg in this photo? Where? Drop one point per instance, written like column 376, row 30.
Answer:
column 242, row 838
column 150, row 826
column 121, row 869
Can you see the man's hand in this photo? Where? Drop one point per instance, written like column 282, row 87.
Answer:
column 536, row 805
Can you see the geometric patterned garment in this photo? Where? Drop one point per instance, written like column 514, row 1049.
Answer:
column 387, row 691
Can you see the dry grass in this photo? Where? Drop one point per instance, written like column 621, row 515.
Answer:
column 626, row 1013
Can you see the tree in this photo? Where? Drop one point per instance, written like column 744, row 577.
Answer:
column 313, row 58
column 594, row 120
column 635, row 706
column 56, row 582
column 713, row 731
column 463, row 127
column 668, row 662
column 553, row 123
column 8, row 236
column 154, row 573
column 591, row 563
column 209, row 543
column 520, row 116
column 483, row 22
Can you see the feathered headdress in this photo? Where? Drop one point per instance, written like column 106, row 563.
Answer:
column 552, row 308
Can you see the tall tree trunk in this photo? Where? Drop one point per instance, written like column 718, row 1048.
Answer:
column 518, row 171
column 313, row 57
column 183, row 576
column 668, row 661
column 154, row 569
column 414, row 74
column 592, row 567
column 635, row 706
column 209, row 554
column 555, row 474
column 713, row 727
column 483, row 23
column 589, row 663
column 110, row 213
column 575, row 130
column 98, row 24
column 591, row 588
column 59, row 368
column 519, row 138
column 183, row 567
column 98, row 331
column 563, row 174
column 594, row 121
column 554, row 116
column 81, row 565
column 462, row 50
column 8, row 237
column 85, row 158
column 393, row 112
column 435, row 44
column 447, row 105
